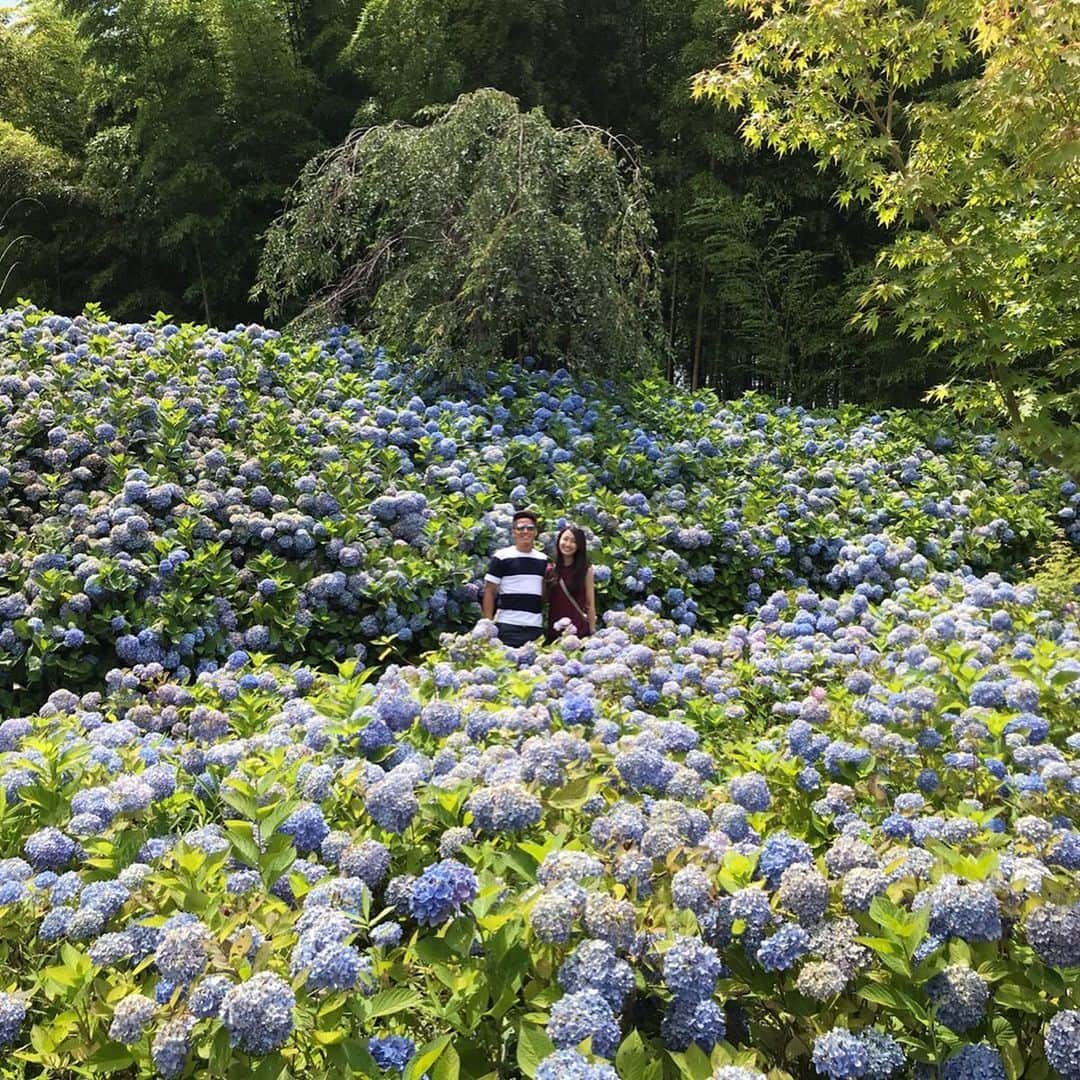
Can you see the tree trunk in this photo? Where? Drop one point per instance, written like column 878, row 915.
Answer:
column 670, row 369
column 202, row 284
column 695, row 376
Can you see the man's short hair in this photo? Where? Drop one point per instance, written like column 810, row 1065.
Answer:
column 519, row 514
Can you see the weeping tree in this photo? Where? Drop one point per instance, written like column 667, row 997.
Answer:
column 486, row 231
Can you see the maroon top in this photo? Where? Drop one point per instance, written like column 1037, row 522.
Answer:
column 559, row 606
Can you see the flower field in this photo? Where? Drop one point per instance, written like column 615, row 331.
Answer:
column 806, row 806
column 169, row 495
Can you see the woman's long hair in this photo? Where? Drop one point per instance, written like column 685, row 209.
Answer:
column 579, row 567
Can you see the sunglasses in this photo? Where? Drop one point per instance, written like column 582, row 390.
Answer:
column 524, row 528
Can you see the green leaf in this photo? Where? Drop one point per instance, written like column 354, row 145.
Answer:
column 41, row 1040
column 448, row 1066
column 242, row 837
column 887, row 914
column 425, row 1057
column 959, row 952
column 1013, row 997
column 388, row 1002
column 432, row 950
column 459, row 935
column 572, row 796
column 632, row 1059
column 110, row 1058
column 693, row 1064
column 880, row 995
column 533, row 1046
column 241, row 801
column 269, row 1068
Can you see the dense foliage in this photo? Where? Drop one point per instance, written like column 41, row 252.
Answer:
column 163, row 135
column 954, row 122
column 485, row 233
column 170, row 494
column 155, row 140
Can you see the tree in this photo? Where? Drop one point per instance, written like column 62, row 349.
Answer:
column 209, row 103
column 775, row 313
column 404, row 51
column 42, row 117
column 955, row 123
column 157, row 139
column 486, row 231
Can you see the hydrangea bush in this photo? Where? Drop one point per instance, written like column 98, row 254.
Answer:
column 838, row 838
column 177, row 494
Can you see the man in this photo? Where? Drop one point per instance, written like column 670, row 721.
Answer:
column 514, row 585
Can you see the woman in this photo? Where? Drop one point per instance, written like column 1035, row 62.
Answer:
column 569, row 582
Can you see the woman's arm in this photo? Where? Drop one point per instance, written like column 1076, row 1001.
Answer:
column 590, row 600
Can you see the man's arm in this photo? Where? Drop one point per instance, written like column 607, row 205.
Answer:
column 487, row 601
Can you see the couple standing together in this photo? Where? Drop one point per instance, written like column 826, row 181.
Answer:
column 520, row 579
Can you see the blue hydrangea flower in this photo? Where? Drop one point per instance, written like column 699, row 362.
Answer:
column 172, row 1044
column 844, row 1055
column 181, row 955
column 56, row 924
column 440, row 718
column 691, row 890
column 12, row 1015
column 689, row 1020
column 644, row 769
column 884, row 1052
column 130, row 1018
column 974, row 1062
column 332, row 966
column 751, row 792
column 804, row 892
column 397, row 709
column 307, row 827
column 369, row 861
column 580, row 1016
column 205, row 999
column 781, row 949
column 392, row 803
column 841, row 1055
column 391, row 1051
column 258, row 1013
column 593, row 965
column 552, row 917
column 108, row 897
column 386, row 935
column 691, row 968
column 1053, row 931
column 1062, row 1043
column 821, row 980
column 572, row 1065
column 731, row 820
column 610, row 919
column 111, row 949
column 779, row 852
column 505, row 808
column 439, row 893
column 967, row 910
column 50, row 849
column 577, row 709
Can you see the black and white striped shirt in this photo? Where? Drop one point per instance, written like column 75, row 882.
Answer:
column 519, row 576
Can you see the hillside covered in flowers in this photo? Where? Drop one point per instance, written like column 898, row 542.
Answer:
column 807, row 805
